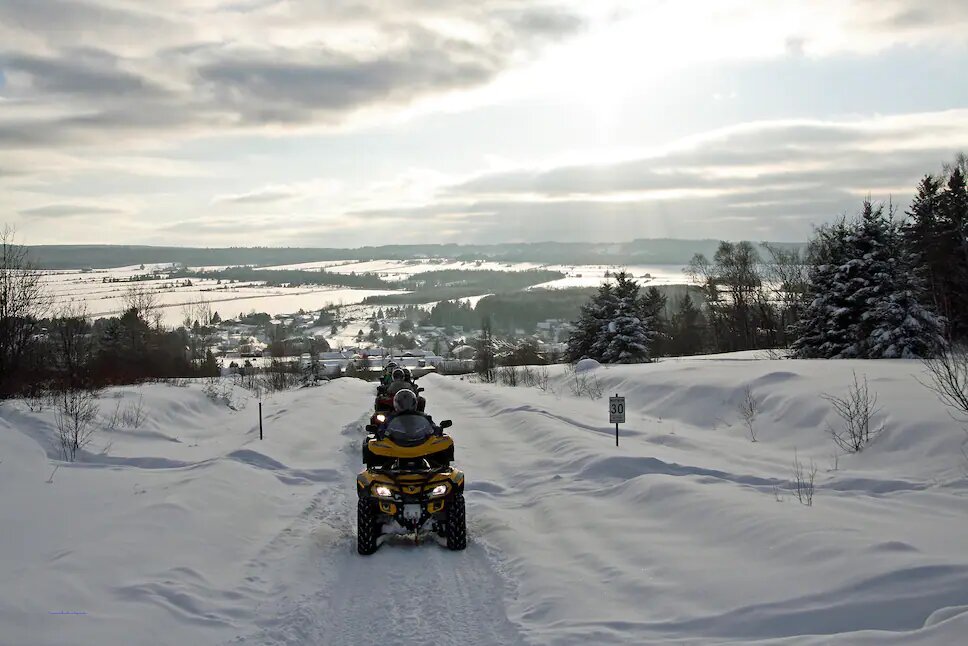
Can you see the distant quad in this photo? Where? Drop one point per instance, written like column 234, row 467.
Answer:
column 408, row 485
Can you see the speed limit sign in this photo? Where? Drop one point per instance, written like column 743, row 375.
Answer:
column 616, row 410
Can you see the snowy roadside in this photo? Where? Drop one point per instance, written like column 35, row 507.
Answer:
column 181, row 531
column 678, row 535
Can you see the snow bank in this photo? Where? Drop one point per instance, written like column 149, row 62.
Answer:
column 170, row 531
column 689, row 532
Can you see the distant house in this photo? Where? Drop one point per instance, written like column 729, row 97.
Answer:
column 464, row 352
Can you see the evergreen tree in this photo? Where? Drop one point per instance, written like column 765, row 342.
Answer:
column 589, row 324
column 824, row 328
column 922, row 236
column 865, row 295
column 952, row 250
column 614, row 327
column 653, row 309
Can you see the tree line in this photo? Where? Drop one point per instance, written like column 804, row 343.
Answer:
column 875, row 285
column 65, row 350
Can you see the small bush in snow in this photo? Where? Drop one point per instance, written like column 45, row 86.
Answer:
column 948, row 378
column 803, row 480
column 748, row 409
column 76, row 418
column 221, row 391
column 37, row 397
column 508, row 375
column 857, row 411
column 131, row 416
column 586, row 384
column 535, row 377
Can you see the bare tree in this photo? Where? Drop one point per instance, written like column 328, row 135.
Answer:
column 75, row 419
column 948, row 378
column 857, row 411
column 73, row 345
column 22, row 304
column 803, row 480
column 786, row 275
column 145, row 304
column 748, row 408
column 508, row 375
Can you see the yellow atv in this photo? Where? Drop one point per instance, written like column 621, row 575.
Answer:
column 408, row 482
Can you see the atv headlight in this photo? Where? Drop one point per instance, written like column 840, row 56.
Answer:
column 439, row 490
column 383, row 491
column 381, row 418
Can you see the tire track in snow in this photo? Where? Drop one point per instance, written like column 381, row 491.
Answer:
column 404, row 593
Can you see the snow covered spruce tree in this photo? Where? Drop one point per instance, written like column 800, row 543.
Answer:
column 864, row 296
column 617, row 326
column 589, row 323
column 936, row 234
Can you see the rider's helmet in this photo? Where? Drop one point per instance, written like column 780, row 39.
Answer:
column 405, row 401
column 398, row 374
column 390, row 366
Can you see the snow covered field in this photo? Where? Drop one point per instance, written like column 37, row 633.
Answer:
column 575, row 275
column 190, row 530
column 229, row 299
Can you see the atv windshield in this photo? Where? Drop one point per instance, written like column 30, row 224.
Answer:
column 409, row 430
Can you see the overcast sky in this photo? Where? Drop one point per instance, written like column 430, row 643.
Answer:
column 352, row 122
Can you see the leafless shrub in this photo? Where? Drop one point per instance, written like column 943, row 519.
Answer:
column 542, row 379
column 773, row 354
column 584, row 384
column 222, row 391
column 37, row 397
column 114, row 422
column 803, row 480
column 75, row 419
column 508, row 375
column 748, row 409
column 528, row 376
column 776, row 493
column 134, row 414
column 857, row 411
column 131, row 415
column 948, row 379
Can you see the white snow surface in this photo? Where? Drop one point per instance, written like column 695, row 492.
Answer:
column 190, row 530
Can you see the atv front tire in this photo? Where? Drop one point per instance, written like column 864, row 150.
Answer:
column 456, row 524
column 367, row 529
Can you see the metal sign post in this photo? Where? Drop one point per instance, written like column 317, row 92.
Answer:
column 616, row 412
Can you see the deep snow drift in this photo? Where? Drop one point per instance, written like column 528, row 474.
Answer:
column 190, row 530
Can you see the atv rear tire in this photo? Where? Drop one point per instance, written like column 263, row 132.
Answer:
column 456, row 524
column 367, row 529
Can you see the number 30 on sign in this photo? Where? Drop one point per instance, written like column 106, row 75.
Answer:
column 616, row 410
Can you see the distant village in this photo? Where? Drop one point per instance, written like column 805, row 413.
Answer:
column 324, row 344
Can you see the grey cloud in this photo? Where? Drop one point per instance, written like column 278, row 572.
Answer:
column 68, row 210
column 184, row 83
column 272, row 89
column 835, row 155
column 75, row 77
column 546, row 21
column 70, row 22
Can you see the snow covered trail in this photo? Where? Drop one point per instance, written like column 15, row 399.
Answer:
column 405, row 593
